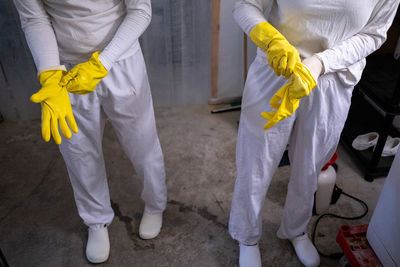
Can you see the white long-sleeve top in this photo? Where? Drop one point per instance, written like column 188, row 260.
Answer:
column 71, row 30
column 341, row 32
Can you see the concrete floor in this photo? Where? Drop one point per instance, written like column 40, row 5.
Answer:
column 39, row 224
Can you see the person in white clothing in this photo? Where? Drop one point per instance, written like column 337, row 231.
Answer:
column 63, row 34
column 333, row 39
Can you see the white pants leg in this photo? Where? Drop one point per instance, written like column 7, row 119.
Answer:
column 125, row 97
column 313, row 131
column 258, row 153
column 129, row 107
column 83, row 156
column 319, row 122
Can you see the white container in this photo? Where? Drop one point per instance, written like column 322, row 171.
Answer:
column 384, row 228
column 326, row 183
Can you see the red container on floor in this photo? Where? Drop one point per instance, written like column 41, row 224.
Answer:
column 355, row 246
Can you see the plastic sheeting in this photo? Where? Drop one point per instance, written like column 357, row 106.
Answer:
column 231, row 54
column 17, row 70
column 176, row 47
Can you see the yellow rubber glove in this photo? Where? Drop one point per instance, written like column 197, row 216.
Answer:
column 56, row 107
column 287, row 99
column 83, row 78
column 303, row 82
column 285, row 107
column 281, row 55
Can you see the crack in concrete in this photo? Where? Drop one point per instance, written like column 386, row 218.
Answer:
column 201, row 211
column 218, row 202
column 138, row 243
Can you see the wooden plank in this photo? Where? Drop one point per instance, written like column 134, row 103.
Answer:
column 215, row 25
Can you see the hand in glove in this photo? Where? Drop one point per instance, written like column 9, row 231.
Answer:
column 287, row 99
column 281, row 55
column 56, row 107
column 302, row 82
column 84, row 77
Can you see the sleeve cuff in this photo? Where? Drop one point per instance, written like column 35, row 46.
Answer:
column 105, row 61
column 325, row 66
column 322, row 62
column 43, row 69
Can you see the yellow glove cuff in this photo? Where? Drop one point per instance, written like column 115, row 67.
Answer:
column 43, row 69
column 51, row 74
column 263, row 33
column 95, row 61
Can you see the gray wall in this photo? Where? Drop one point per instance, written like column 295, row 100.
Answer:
column 176, row 47
column 231, row 68
column 17, row 70
column 177, row 51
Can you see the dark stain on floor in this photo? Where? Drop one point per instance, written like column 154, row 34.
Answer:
column 202, row 211
column 139, row 244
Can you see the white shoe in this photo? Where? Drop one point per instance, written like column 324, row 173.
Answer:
column 150, row 225
column 305, row 250
column 391, row 146
column 249, row 256
column 365, row 141
column 98, row 245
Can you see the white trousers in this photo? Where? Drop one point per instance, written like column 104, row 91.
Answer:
column 124, row 97
column 312, row 132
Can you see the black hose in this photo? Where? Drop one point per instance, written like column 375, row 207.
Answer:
column 338, row 255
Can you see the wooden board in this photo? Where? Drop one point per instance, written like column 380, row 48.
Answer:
column 215, row 17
